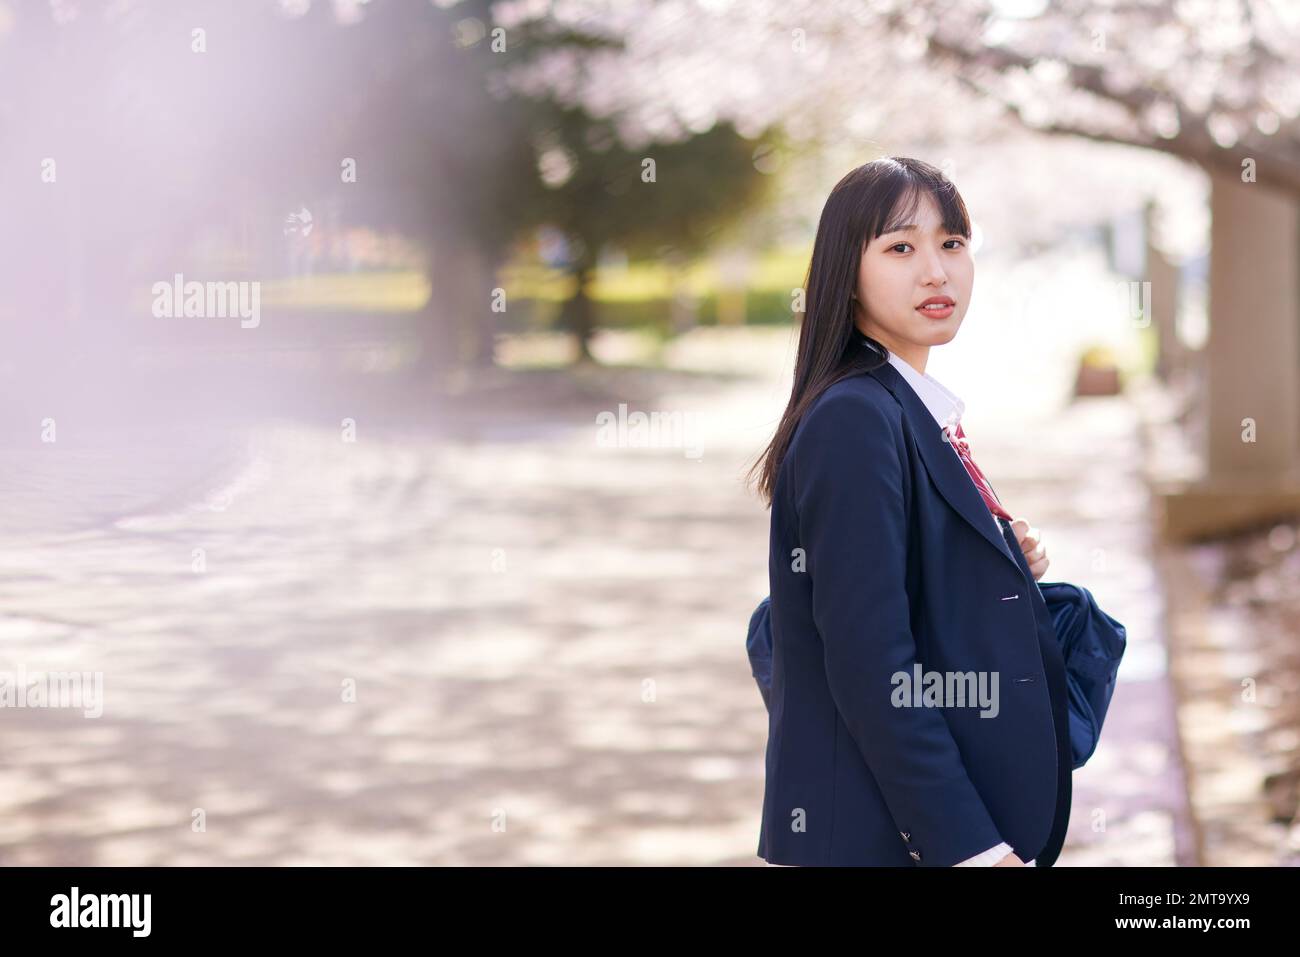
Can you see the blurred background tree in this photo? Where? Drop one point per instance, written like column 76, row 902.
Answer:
column 668, row 200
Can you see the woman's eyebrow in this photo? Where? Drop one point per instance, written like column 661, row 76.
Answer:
column 912, row 227
column 909, row 227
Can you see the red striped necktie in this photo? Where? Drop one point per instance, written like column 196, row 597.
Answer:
column 958, row 441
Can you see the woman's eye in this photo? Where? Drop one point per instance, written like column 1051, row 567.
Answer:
column 959, row 243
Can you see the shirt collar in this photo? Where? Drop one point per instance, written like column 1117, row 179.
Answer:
column 944, row 405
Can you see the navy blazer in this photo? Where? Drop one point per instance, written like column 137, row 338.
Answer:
column 882, row 557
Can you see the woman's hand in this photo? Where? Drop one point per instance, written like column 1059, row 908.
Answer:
column 1011, row 860
column 1032, row 545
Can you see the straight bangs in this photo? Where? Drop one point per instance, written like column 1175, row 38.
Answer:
column 903, row 195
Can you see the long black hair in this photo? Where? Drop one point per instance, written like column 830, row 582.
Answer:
column 873, row 199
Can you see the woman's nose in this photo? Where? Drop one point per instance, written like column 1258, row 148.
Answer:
column 933, row 273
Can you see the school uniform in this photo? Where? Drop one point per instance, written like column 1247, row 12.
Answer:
column 889, row 554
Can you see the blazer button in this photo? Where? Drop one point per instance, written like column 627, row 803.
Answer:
column 906, row 836
column 916, row 855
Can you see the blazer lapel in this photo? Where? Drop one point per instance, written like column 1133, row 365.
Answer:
column 942, row 461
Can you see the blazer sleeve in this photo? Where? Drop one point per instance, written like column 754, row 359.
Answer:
column 849, row 498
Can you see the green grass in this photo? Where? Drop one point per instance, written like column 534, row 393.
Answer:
column 405, row 291
column 773, row 271
column 640, row 295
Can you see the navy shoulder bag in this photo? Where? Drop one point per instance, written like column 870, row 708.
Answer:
column 1092, row 644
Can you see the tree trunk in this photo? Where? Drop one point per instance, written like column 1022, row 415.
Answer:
column 457, row 325
column 578, row 314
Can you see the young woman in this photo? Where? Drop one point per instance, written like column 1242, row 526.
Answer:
column 918, row 709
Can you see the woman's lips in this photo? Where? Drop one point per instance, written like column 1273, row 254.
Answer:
column 937, row 310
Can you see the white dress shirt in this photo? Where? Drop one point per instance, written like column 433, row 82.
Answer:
column 947, row 410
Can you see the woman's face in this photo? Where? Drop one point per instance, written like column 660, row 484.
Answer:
column 900, row 270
